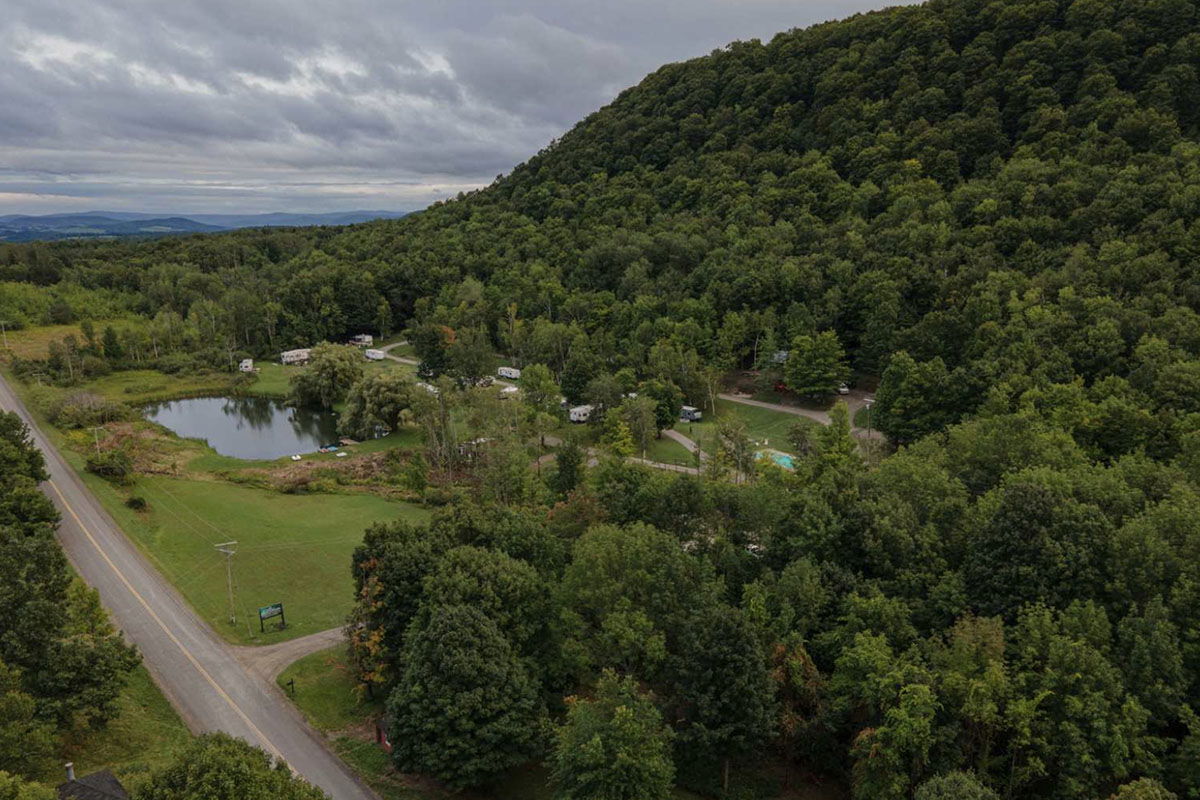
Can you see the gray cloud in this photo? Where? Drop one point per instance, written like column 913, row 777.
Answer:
column 213, row 105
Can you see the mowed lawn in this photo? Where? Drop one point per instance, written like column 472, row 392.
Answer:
column 764, row 426
column 293, row 549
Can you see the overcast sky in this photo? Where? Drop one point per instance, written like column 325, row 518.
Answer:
column 322, row 105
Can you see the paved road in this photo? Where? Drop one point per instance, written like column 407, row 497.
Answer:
column 197, row 671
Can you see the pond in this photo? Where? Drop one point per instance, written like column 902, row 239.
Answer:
column 246, row 427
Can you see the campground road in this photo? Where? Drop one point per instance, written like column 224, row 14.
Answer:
column 196, row 670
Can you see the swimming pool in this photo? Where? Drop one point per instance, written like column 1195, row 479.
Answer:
column 782, row 459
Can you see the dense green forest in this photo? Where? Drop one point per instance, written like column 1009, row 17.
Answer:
column 993, row 208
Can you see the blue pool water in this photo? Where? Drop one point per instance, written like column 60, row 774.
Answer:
column 783, row 460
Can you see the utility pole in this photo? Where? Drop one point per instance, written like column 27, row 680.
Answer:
column 228, row 549
column 4, row 331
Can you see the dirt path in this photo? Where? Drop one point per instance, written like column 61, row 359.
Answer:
column 854, row 401
column 270, row 660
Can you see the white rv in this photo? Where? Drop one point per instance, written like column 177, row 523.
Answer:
column 690, row 414
column 247, row 365
column 295, row 357
column 581, row 413
column 374, row 355
column 362, row 340
column 512, row 373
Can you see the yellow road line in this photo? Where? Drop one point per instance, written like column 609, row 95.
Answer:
column 187, row 653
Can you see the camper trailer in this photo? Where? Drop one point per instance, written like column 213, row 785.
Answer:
column 374, row 355
column 362, row 340
column 512, row 373
column 295, row 357
column 690, row 414
column 581, row 413
column 247, row 365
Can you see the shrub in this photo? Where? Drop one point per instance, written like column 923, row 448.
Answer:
column 112, row 465
column 136, row 502
column 85, row 410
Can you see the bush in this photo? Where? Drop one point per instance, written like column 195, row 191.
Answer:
column 177, row 364
column 112, row 465
column 136, row 502
column 86, row 410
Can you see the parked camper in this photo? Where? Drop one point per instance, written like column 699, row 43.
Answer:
column 690, row 414
column 296, row 357
column 512, row 373
column 247, row 365
column 374, row 355
column 581, row 413
column 843, row 389
column 362, row 340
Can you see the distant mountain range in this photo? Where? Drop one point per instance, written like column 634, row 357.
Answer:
column 103, row 224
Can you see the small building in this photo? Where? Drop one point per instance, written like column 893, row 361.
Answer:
column 374, row 355
column 362, row 340
column 101, row 785
column 512, row 373
column 246, row 365
column 295, row 357
column 690, row 414
column 581, row 413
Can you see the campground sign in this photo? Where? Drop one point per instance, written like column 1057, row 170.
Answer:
column 267, row 612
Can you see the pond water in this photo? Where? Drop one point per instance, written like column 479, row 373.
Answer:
column 246, row 427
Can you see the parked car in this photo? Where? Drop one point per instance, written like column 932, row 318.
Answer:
column 843, row 389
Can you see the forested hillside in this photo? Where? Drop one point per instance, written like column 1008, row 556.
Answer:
column 994, row 207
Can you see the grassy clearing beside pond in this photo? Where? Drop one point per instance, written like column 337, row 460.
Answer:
column 293, row 549
column 141, row 386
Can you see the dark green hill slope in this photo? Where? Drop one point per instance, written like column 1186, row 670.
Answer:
column 1011, row 186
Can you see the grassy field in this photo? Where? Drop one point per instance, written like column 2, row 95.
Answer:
column 766, row 427
column 35, row 342
column 669, row 451
column 293, row 549
column 140, row 386
column 145, row 734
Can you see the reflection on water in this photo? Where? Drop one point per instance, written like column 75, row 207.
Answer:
column 246, row 427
